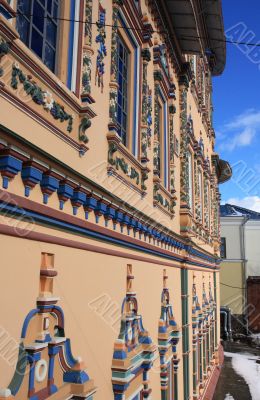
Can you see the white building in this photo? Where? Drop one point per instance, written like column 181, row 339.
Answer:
column 240, row 269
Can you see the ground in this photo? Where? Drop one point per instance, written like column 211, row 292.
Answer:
column 240, row 374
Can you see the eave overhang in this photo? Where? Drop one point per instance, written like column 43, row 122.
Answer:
column 199, row 28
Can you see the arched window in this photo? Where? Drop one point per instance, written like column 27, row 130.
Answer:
column 37, row 24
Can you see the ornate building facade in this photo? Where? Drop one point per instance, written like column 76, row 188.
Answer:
column 109, row 175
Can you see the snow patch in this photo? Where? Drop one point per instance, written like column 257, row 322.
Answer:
column 256, row 338
column 229, row 397
column 245, row 365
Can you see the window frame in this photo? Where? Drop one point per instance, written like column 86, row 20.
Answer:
column 134, row 93
column 124, row 94
column 201, row 197
column 43, row 34
column 163, row 139
column 191, row 182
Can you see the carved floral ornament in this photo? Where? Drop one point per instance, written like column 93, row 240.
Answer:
column 102, row 51
column 121, row 163
column 4, row 50
column 146, row 131
column 45, row 99
column 40, row 96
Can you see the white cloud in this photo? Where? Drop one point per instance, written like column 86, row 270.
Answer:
column 240, row 132
column 241, row 139
column 250, row 118
column 250, row 202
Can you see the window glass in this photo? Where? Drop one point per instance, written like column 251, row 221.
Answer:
column 122, row 80
column 200, row 195
column 38, row 26
column 160, row 136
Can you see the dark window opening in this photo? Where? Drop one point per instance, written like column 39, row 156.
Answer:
column 223, row 249
column 122, row 97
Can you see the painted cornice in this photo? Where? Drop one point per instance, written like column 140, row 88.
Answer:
column 105, row 203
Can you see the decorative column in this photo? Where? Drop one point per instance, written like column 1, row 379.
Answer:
column 146, row 121
column 185, row 334
column 201, row 340
column 146, row 108
column 216, row 313
column 113, row 70
column 184, row 84
column 206, row 330
column 102, row 51
column 206, row 203
column 172, row 111
column 134, row 340
column 87, row 54
column 168, row 338
column 185, row 211
column 212, row 322
column 197, row 190
column 156, row 141
column 195, row 324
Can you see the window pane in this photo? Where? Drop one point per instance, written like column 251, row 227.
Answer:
column 37, row 42
column 55, row 10
column 24, row 6
column 23, row 28
column 39, row 32
column 49, row 57
column 122, row 75
column 49, row 6
column 38, row 16
column 51, row 32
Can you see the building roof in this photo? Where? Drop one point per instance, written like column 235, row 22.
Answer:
column 231, row 210
column 199, row 24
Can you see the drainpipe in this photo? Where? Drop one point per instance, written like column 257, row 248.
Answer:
column 244, row 261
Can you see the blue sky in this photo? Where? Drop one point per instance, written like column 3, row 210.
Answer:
column 236, row 100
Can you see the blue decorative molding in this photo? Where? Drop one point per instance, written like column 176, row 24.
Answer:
column 33, row 173
column 15, row 211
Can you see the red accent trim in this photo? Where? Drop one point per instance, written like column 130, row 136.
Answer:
column 42, row 237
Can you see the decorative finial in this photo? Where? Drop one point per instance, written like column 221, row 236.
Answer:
column 129, row 279
column 47, row 273
column 165, row 279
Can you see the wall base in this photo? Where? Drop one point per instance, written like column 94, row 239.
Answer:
column 211, row 387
